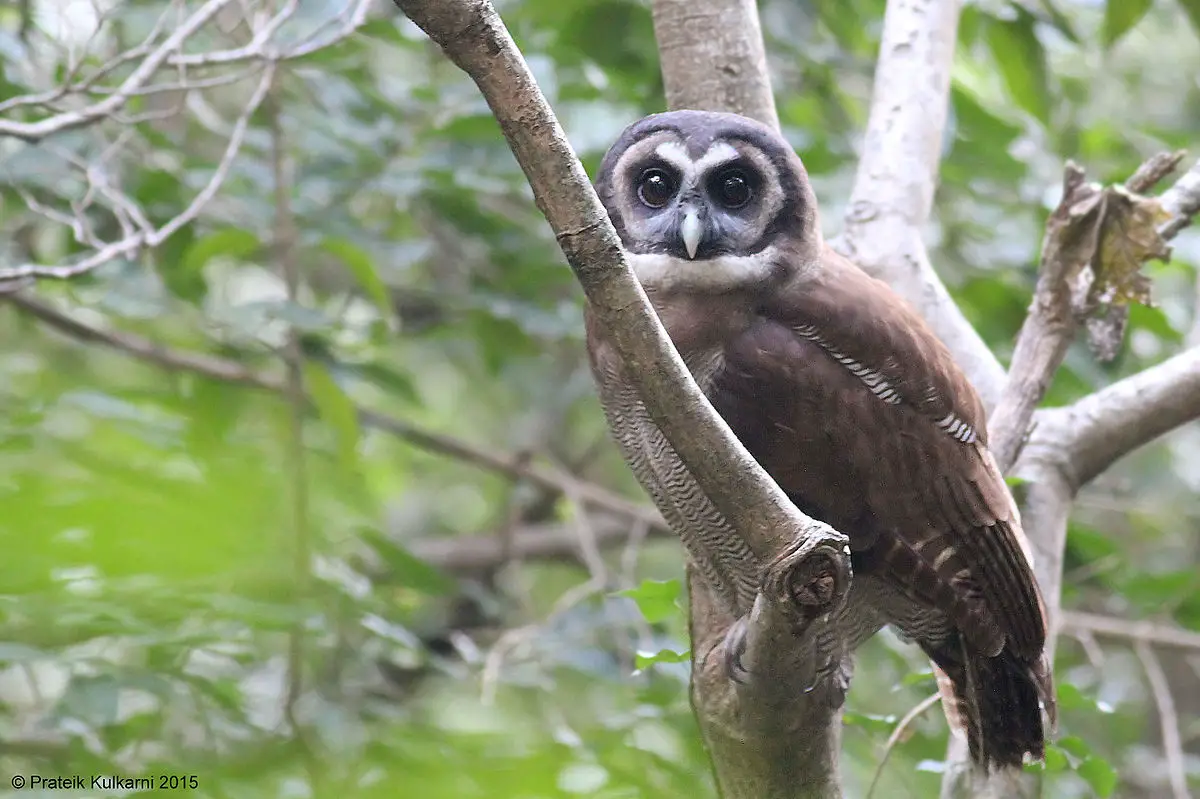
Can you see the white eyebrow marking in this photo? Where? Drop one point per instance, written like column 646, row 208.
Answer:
column 717, row 154
column 675, row 154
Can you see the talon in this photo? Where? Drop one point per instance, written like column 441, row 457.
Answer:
column 735, row 647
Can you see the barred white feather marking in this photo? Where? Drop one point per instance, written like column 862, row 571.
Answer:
column 957, row 428
column 880, row 387
column 875, row 381
column 723, row 273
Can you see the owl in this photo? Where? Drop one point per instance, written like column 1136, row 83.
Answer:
column 843, row 394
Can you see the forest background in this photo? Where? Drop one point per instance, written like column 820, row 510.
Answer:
column 423, row 579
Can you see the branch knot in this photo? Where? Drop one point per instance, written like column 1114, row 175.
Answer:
column 811, row 575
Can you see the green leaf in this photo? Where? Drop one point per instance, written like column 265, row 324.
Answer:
column 362, row 266
column 1071, row 698
column 1164, row 588
column 922, row 678
column 228, row 242
column 1022, row 62
column 1055, row 759
column 1120, row 16
column 871, row 722
column 92, row 700
column 336, row 409
column 1099, row 774
column 644, row 660
column 656, row 599
column 1075, row 745
column 1192, row 9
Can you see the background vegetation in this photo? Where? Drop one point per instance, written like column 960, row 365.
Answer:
column 205, row 574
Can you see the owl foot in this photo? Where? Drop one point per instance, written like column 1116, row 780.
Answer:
column 734, row 647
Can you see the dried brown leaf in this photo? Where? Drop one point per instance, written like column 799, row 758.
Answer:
column 1129, row 238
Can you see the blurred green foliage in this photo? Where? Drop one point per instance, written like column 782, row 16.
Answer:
column 154, row 621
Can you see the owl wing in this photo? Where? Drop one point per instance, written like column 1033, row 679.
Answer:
column 859, row 412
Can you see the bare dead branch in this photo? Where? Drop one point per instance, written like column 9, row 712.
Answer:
column 1072, row 236
column 34, row 131
column 128, row 247
column 1168, row 719
column 894, row 185
column 1182, row 201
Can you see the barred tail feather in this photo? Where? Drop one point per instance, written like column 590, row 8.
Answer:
column 996, row 701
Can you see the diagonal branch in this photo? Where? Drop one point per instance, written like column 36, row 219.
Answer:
column 1168, row 719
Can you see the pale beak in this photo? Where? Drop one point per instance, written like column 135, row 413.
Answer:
column 691, row 231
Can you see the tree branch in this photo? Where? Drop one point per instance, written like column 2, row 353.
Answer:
column 1168, row 719
column 1182, row 202
column 146, row 236
column 34, row 131
column 691, row 35
column 1159, row 635
column 1089, row 436
column 894, row 186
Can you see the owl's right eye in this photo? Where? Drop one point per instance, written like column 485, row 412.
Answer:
column 655, row 187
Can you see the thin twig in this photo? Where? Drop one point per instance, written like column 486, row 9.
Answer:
column 127, row 247
column 1168, row 719
column 34, row 131
column 1160, row 635
column 894, row 738
column 284, row 241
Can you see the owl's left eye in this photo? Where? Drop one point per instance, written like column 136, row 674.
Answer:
column 655, row 187
column 732, row 188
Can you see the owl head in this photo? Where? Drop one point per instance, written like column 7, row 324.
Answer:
column 708, row 200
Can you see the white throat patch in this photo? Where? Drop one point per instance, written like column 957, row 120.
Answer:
column 714, row 275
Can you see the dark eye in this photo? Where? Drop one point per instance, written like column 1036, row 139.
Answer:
column 732, row 188
column 655, row 187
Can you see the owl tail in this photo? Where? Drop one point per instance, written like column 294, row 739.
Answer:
column 996, row 701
